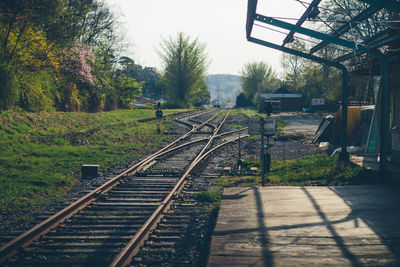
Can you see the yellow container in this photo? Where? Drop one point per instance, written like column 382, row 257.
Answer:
column 353, row 117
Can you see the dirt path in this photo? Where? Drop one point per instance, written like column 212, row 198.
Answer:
column 296, row 140
column 306, row 124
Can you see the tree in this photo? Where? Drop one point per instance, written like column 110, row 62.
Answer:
column 76, row 67
column 30, row 71
column 257, row 78
column 242, row 101
column 147, row 75
column 7, row 98
column 185, row 68
column 61, row 54
column 68, row 26
column 76, row 61
column 127, row 89
column 292, row 66
column 344, row 10
column 200, row 97
column 18, row 16
column 152, row 86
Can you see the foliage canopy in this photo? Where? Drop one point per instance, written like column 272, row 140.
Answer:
column 185, row 69
column 257, row 78
column 65, row 55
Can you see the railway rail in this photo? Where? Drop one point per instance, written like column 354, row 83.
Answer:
column 149, row 201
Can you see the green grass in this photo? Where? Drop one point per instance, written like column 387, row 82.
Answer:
column 280, row 127
column 252, row 137
column 249, row 112
column 308, row 170
column 208, row 196
column 41, row 153
column 248, row 163
column 210, row 199
column 319, row 170
column 237, row 181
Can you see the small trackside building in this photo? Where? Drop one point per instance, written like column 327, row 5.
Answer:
column 289, row 101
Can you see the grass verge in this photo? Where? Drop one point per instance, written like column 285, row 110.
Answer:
column 41, row 153
column 210, row 201
column 309, row 170
column 280, row 127
column 319, row 170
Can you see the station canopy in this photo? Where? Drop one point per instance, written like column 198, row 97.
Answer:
column 336, row 33
column 335, row 30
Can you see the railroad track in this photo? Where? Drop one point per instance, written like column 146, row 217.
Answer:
column 153, row 200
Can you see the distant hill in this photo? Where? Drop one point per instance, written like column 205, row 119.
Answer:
column 225, row 87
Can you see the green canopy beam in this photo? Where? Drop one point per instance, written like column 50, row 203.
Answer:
column 360, row 17
column 377, row 40
column 296, row 53
column 301, row 20
column 308, row 32
column 251, row 10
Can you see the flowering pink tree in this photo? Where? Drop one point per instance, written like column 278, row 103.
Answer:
column 76, row 64
column 76, row 61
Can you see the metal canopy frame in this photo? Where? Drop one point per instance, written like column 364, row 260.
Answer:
column 303, row 18
column 368, row 46
column 360, row 17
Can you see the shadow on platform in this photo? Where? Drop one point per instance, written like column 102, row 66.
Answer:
column 308, row 226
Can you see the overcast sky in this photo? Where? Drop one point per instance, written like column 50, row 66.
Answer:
column 218, row 23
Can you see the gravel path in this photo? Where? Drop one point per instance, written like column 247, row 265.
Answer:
column 296, row 140
column 306, row 124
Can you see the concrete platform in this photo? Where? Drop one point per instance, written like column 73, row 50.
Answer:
column 308, row 226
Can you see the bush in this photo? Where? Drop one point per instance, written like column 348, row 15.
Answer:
column 176, row 104
column 207, row 196
column 70, row 101
column 243, row 102
column 35, row 91
column 6, row 94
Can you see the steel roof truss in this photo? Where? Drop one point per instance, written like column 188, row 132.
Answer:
column 308, row 32
column 303, row 18
column 295, row 52
column 360, row 17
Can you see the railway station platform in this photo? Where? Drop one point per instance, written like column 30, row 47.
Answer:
column 308, row 226
column 373, row 164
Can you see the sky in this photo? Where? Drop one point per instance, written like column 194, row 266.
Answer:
column 218, row 23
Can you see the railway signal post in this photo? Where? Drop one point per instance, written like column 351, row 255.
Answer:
column 263, row 127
